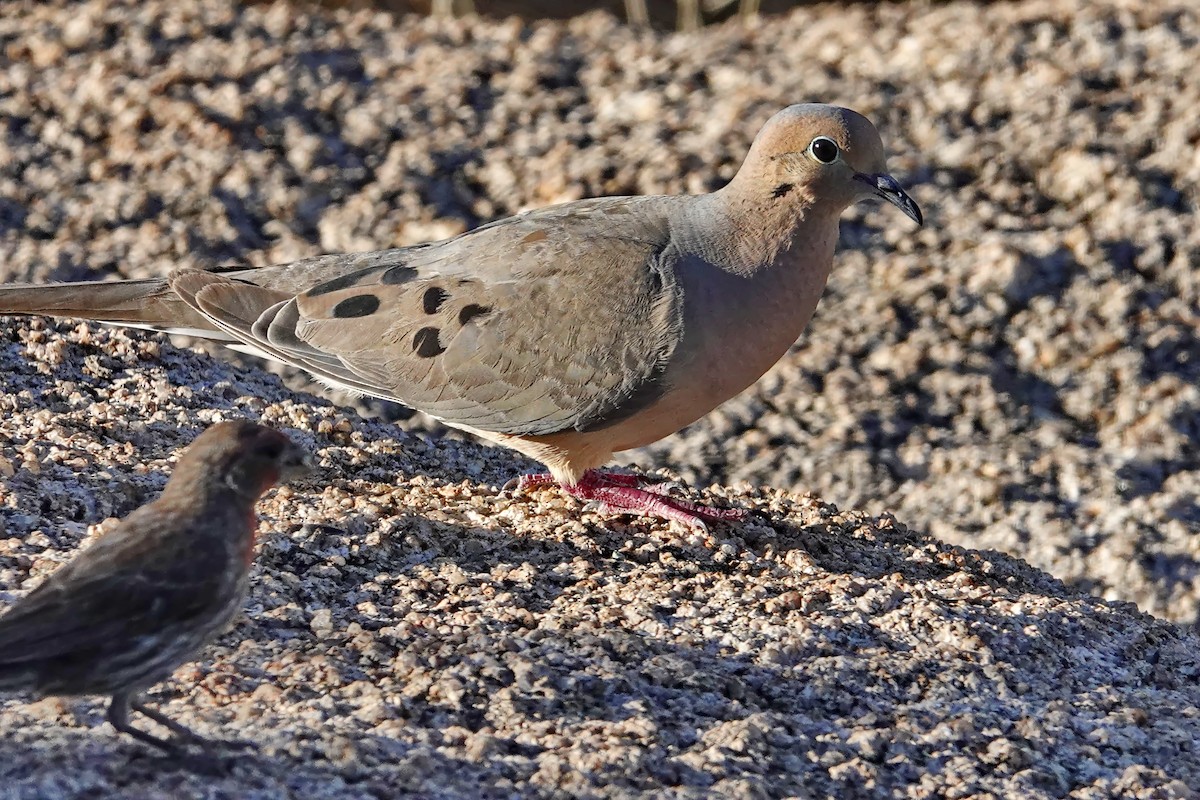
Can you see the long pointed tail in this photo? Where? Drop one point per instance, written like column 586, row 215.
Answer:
column 148, row 303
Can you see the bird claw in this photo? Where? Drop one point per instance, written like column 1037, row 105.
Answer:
column 664, row 488
column 623, row 493
column 599, row 507
column 532, row 481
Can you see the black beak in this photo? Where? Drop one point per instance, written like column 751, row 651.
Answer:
column 886, row 187
column 296, row 465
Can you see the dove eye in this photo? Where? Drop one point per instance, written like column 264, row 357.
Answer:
column 824, row 149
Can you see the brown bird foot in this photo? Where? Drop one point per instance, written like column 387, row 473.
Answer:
column 118, row 717
column 634, row 494
column 180, row 732
column 181, row 735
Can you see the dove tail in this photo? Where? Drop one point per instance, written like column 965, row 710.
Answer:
column 146, row 303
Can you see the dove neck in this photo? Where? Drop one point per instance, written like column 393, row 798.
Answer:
column 751, row 230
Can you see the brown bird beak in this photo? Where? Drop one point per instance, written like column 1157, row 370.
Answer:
column 296, row 465
column 888, row 188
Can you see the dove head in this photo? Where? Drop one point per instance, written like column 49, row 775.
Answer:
column 239, row 457
column 822, row 155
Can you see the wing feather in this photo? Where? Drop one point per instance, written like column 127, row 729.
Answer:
column 548, row 321
column 113, row 590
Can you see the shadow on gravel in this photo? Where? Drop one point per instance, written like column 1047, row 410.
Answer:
column 655, row 697
column 1143, row 477
column 12, row 216
column 1024, row 393
column 665, row 692
column 96, row 763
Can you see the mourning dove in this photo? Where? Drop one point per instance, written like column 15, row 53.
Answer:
column 125, row 612
column 566, row 333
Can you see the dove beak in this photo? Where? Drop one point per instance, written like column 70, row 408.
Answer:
column 888, row 188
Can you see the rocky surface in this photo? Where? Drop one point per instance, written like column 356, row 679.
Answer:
column 1020, row 374
column 412, row 630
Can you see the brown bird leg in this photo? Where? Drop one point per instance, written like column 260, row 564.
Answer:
column 118, row 717
column 183, row 732
column 634, row 494
column 174, row 727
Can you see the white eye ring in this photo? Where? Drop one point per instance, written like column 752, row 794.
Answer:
column 824, row 149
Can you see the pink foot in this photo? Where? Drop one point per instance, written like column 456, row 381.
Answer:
column 539, row 479
column 636, row 495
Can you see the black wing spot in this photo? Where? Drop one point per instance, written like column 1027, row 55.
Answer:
column 341, row 282
column 361, row 305
column 397, row 275
column 433, row 299
column 472, row 311
column 783, row 189
column 426, row 344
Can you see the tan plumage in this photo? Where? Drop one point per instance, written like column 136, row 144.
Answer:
column 567, row 333
column 146, row 596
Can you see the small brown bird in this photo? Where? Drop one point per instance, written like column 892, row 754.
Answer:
column 148, row 595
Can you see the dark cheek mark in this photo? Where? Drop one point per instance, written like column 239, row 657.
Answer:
column 341, row 282
column 536, row 236
column 398, row 275
column 471, row 312
column 361, row 305
column 426, row 344
column 433, row 299
column 783, row 189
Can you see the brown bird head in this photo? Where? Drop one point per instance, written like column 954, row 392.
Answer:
column 239, row 455
column 822, row 156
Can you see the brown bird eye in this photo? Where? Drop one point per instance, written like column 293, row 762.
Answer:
column 823, row 149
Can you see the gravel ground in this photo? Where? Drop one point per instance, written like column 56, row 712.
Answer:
column 414, row 631
column 1021, row 374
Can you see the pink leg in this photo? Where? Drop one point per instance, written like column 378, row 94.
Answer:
column 634, row 494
